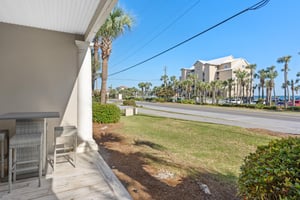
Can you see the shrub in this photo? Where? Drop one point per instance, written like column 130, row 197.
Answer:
column 259, row 106
column 272, row 172
column 96, row 96
column 129, row 103
column 106, row 113
column 160, row 100
column 187, row 101
column 270, row 107
column 294, row 108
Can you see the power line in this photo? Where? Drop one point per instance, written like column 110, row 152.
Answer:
column 135, row 80
column 256, row 6
column 159, row 33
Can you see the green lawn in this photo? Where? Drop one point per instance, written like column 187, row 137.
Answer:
column 217, row 149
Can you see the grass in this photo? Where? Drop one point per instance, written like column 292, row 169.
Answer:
column 217, row 149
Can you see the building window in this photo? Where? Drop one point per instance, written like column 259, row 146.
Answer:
column 226, row 67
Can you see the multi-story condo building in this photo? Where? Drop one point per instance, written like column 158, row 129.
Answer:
column 217, row 69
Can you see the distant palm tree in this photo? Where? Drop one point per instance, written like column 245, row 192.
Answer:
column 193, row 78
column 272, row 74
column 174, row 84
column 268, row 91
column 95, row 69
column 187, row 86
column 199, row 90
column 262, row 75
column 293, row 91
column 254, row 88
column 294, row 87
column 285, row 60
column 252, row 69
column 206, row 88
column 241, row 76
column 297, row 87
column 142, row 85
column 224, row 88
column 147, row 88
column 117, row 22
column 230, row 86
column 215, row 87
column 165, row 79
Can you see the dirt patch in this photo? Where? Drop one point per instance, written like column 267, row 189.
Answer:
column 130, row 161
column 272, row 133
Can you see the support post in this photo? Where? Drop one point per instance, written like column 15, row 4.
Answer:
column 84, row 99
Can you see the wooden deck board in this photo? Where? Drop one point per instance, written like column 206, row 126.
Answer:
column 86, row 181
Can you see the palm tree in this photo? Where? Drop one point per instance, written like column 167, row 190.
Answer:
column 272, row 74
column 142, row 85
column 193, row 78
column 215, row 87
column 95, row 69
column 147, row 87
column 165, row 79
column 225, row 87
column 115, row 25
column 174, row 84
column 199, row 90
column 297, row 87
column 187, row 85
column 252, row 69
column 262, row 75
column 285, row 60
column 268, row 91
column 294, row 87
column 293, row 91
column 206, row 88
column 241, row 78
column 230, row 86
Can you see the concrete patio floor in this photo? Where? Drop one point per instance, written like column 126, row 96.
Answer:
column 91, row 179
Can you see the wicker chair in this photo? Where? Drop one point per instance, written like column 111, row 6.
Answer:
column 26, row 150
column 65, row 144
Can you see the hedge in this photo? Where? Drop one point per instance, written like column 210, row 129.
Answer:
column 106, row 113
column 272, row 172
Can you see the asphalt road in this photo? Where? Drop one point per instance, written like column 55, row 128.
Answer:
column 285, row 122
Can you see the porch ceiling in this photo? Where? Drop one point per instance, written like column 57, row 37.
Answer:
column 83, row 17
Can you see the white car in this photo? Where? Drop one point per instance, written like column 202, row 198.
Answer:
column 235, row 101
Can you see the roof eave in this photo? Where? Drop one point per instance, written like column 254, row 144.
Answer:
column 101, row 13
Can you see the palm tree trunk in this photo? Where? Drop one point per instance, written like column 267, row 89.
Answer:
column 274, row 93
column 96, row 61
column 293, row 92
column 271, row 96
column 285, row 85
column 262, row 92
column 213, row 96
column 104, row 80
column 243, row 93
column 288, row 93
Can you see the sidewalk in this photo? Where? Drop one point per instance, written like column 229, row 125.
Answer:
column 91, row 179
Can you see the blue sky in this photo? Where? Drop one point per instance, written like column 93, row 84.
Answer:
column 260, row 36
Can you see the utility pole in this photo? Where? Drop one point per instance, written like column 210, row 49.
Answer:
column 165, row 76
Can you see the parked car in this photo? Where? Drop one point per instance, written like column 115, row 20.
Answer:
column 280, row 103
column 235, row 101
column 297, row 103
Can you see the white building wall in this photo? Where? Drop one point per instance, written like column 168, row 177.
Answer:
column 38, row 72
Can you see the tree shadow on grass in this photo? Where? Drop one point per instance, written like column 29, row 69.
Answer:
column 133, row 171
column 149, row 144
